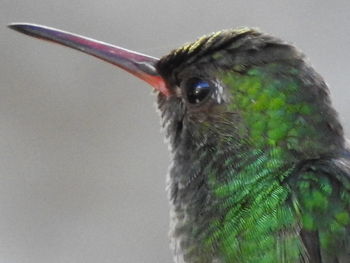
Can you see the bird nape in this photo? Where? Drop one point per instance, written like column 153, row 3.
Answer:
column 260, row 168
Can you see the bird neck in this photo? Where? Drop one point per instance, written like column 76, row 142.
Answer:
column 220, row 192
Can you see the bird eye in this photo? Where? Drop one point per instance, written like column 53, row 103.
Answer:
column 197, row 90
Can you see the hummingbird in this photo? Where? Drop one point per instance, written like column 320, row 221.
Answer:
column 260, row 169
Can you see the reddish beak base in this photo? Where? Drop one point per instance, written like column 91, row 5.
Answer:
column 140, row 65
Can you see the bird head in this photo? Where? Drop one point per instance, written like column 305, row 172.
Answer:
column 241, row 86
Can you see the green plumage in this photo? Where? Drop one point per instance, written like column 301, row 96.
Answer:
column 260, row 171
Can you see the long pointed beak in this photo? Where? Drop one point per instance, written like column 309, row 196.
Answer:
column 142, row 66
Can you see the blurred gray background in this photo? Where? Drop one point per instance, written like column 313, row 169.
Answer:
column 82, row 161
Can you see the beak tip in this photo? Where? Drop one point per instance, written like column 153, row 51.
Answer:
column 13, row 26
column 17, row 27
column 24, row 28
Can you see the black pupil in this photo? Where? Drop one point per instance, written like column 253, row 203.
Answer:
column 197, row 91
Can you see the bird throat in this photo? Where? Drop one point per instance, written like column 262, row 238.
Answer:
column 224, row 201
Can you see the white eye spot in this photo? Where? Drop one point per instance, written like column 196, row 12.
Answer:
column 178, row 92
column 220, row 89
column 219, row 94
